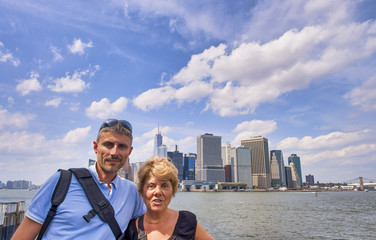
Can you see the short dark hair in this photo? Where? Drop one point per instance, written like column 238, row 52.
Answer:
column 117, row 128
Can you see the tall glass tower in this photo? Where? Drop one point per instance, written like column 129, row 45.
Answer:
column 296, row 160
column 159, row 149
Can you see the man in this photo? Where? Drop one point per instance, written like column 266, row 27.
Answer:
column 112, row 147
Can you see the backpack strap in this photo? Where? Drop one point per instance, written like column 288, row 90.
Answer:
column 98, row 201
column 141, row 230
column 58, row 197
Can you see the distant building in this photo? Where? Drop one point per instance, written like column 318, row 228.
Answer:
column 198, row 186
column 135, row 166
column 241, row 165
column 189, row 166
column 159, row 149
column 91, row 162
column 310, row 180
column 226, row 159
column 293, row 177
column 177, row 159
column 296, row 160
column 209, row 162
column 277, row 169
column 19, row 184
column 126, row 171
column 260, row 160
column 289, row 182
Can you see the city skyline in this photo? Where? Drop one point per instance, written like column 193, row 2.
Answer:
column 300, row 73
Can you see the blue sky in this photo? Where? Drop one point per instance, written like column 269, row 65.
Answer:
column 301, row 73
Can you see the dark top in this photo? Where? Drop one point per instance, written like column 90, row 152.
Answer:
column 185, row 228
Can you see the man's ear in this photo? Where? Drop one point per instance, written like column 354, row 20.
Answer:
column 95, row 146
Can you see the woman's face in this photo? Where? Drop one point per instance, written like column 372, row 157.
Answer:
column 157, row 194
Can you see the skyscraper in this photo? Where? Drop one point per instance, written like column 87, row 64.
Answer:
column 189, row 166
column 310, row 180
column 294, row 178
column 296, row 160
column 241, row 165
column 226, row 159
column 159, row 149
column 260, row 160
column 209, row 165
column 157, row 142
column 277, row 169
column 177, row 159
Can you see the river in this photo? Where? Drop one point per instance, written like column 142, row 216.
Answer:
column 272, row 215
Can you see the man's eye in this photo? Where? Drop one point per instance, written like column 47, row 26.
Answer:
column 108, row 145
column 122, row 147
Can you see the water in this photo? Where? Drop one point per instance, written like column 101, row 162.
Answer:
column 272, row 215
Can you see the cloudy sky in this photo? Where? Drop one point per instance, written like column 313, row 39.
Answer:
column 300, row 73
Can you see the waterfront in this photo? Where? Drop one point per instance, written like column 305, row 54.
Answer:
column 272, row 215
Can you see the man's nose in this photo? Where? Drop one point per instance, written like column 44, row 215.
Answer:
column 115, row 150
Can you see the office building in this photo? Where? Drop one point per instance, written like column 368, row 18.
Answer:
column 159, row 149
column 296, row 160
column 293, row 177
column 135, row 166
column 241, row 165
column 189, row 166
column 260, row 160
column 310, row 180
column 177, row 159
column 209, row 161
column 226, row 159
column 277, row 169
column 91, row 162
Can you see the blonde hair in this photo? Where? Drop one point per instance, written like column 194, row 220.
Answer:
column 160, row 168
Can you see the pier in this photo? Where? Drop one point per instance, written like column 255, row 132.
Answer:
column 11, row 215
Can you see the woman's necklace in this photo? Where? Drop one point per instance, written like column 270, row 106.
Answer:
column 148, row 220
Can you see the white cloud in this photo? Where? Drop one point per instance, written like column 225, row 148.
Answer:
column 74, row 83
column 332, row 140
column 74, row 106
column 56, row 52
column 105, row 109
column 77, row 135
column 154, row 98
column 78, row 47
column 8, row 57
column 53, row 102
column 10, row 101
column 252, row 128
column 13, row 120
column 239, row 80
column 28, row 85
column 364, row 96
column 42, row 156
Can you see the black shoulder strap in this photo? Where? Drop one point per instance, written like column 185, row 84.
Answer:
column 141, row 230
column 58, row 197
column 98, row 201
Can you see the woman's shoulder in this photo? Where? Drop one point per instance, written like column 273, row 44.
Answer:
column 186, row 225
column 187, row 216
column 131, row 231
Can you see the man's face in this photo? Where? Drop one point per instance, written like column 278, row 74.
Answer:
column 112, row 151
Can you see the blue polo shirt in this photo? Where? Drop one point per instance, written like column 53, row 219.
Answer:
column 68, row 223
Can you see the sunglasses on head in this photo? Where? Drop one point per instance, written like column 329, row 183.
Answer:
column 112, row 122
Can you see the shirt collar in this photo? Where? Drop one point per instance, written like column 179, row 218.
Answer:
column 94, row 172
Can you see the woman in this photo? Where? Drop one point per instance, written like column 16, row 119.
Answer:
column 158, row 183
